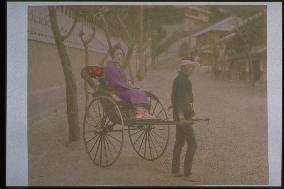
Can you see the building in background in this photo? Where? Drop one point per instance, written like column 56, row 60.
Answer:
column 196, row 17
column 204, row 39
column 246, row 41
column 226, row 47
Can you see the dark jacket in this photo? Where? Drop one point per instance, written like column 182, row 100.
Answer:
column 182, row 96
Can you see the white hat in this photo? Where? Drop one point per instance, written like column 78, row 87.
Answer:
column 197, row 59
column 189, row 62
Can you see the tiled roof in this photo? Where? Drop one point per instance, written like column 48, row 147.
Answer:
column 241, row 23
column 227, row 24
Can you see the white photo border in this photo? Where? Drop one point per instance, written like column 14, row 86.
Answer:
column 17, row 145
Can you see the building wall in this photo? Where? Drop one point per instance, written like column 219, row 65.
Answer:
column 209, row 37
column 46, row 82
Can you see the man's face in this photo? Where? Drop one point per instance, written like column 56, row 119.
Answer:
column 188, row 69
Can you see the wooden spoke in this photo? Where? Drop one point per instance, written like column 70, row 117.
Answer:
column 152, row 138
column 150, row 149
column 91, row 139
column 153, row 144
column 101, row 152
column 156, row 141
column 141, row 143
column 139, row 137
column 113, row 146
column 97, row 150
column 145, row 144
column 158, row 135
column 94, row 144
column 114, row 138
column 132, row 134
column 98, row 130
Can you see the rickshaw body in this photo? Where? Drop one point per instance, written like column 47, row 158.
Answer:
column 108, row 118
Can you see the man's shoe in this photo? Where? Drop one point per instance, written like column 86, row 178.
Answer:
column 191, row 178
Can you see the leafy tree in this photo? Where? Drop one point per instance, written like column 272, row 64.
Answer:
column 251, row 33
column 123, row 24
column 155, row 18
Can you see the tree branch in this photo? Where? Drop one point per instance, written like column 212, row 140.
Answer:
column 105, row 29
column 91, row 37
column 125, row 28
column 82, row 39
column 104, row 58
column 128, row 56
column 63, row 38
column 87, row 41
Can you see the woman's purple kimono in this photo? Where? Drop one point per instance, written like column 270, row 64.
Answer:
column 117, row 79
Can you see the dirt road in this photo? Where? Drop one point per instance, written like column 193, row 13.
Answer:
column 232, row 150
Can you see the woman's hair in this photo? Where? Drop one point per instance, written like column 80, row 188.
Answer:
column 116, row 47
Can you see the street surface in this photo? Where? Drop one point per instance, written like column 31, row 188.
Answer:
column 232, row 149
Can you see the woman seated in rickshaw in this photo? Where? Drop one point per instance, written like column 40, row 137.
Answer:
column 116, row 78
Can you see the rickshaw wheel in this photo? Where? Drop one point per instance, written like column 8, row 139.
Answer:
column 103, row 131
column 150, row 141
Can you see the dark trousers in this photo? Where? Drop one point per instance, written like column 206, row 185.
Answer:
column 184, row 134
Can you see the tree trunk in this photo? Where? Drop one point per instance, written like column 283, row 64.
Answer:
column 127, row 63
column 107, row 35
column 145, row 61
column 131, row 74
column 71, row 89
column 140, row 73
column 85, row 44
column 85, row 82
column 251, row 76
column 247, row 50
column 153, row 62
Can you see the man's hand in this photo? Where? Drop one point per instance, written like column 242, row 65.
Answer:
column 182, row 121
column 185, row 122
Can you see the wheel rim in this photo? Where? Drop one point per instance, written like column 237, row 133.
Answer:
column 103, row 137
column 150, row 141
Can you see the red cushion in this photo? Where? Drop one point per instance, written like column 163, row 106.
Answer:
column 94, row 71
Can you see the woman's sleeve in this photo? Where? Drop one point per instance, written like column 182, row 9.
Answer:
column 114, row 78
